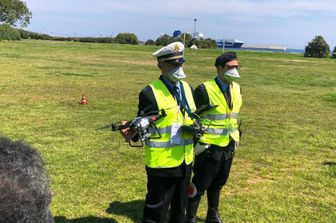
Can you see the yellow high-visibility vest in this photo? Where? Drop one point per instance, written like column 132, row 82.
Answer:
column 222, row 122
column 165, row 152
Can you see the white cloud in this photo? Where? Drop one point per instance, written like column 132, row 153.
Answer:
column 248, row 8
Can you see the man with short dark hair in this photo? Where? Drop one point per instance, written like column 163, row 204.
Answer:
column 24, row 185
column 215, row 149
column 168, row 158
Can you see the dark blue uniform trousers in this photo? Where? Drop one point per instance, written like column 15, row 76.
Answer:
column 212, row 168
column 166, row 194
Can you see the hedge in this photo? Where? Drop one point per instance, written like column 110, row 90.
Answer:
column 8, row 33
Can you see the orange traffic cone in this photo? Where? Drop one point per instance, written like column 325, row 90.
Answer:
column 83, row 101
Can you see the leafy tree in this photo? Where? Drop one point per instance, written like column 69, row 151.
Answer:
column 205, row 43
column 150, row 42
column 210, row 43
column 185, row 38
column 318, row 47
column 164, row 40
column 334, row 53
column 13, row 12
column 188, row 38
column 188, row 41
column 127, row 38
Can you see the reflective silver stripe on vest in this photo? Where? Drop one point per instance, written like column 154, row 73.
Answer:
column 164, row 130
column 215, row 116
column 168, row 144
column 234, row 115
column 220, row 117
column 217, row 131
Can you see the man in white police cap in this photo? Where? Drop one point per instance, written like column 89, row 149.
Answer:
column 168, row 158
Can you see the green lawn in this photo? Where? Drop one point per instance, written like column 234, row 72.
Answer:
column 284, row 170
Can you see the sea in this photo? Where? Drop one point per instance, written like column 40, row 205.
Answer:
column 294, row 51
column 299, row 51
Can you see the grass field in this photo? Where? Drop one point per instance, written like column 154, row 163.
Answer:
column 284, row 170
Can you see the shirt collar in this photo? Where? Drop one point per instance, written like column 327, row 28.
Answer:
column 169, row 84
column 222, row 83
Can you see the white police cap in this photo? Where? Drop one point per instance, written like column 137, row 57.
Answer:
column 172, row 53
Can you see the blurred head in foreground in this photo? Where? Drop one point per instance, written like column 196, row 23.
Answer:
column 24, row 184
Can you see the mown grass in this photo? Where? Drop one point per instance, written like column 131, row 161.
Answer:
column 284, row 170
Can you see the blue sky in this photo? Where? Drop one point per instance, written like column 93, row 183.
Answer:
column 291, row 23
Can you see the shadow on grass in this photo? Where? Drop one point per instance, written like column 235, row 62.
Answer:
column 329, row 163
column 331, row 168
column 89, row 219
column 132, row 209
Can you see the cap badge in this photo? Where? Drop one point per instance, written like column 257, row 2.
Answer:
column 176, row 48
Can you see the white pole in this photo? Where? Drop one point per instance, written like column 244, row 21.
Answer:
column 223, row 43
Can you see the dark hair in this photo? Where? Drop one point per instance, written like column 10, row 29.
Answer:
column 224, row 58
column 24, row 184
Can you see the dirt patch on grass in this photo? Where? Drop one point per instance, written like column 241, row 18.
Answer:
column 257, row 180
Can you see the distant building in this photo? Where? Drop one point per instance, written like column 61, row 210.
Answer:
column 199, row 35
column 177, row 33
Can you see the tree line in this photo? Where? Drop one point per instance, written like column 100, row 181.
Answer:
column 185, row 38
column 9, row 33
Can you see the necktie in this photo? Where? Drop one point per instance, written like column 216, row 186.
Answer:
column 228, row 95
column 177, row 94
column 181, row 100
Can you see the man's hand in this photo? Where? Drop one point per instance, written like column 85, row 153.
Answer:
column 127, row 133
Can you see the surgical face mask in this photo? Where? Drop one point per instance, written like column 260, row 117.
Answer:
column 231, row 75
column 176, row 74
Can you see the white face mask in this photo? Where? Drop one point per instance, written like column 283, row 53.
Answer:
column 176, row 74
column 231, row 75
